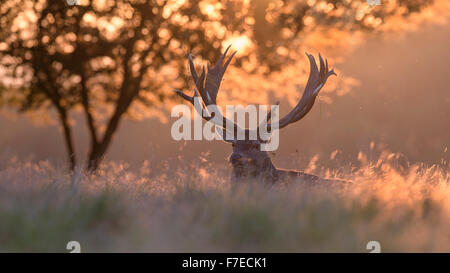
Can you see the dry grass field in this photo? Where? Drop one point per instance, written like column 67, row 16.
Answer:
column 193, row 207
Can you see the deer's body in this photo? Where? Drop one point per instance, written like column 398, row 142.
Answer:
column 274, row 175
column 248, row 160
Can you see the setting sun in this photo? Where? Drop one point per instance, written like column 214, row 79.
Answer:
column 241, row 43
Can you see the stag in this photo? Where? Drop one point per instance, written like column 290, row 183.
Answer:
column 248, row 160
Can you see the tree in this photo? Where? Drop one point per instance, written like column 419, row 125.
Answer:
column 103, row 56
column 74, row 51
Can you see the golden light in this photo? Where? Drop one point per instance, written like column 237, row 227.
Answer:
column 241, row 43
column 211, row 9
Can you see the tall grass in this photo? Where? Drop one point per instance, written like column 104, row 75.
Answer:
column 191, row 207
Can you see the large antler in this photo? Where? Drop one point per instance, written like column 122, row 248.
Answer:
column 316, row 81
column 208, row 86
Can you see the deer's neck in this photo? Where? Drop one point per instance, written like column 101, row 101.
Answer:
column 268, row 168
column 265, row 171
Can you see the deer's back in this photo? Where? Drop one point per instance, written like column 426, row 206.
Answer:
column 298, row 176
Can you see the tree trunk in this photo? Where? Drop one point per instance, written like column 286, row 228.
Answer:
column 68, row 139
column 98, row 150
column 129, row 91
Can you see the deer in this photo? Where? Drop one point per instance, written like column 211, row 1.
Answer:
column 248, row 160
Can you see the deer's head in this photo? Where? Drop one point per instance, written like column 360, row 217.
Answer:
column 248, row 159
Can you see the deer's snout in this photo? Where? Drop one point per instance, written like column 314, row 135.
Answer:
column 234, row 158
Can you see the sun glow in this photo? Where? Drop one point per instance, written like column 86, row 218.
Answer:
column 241, row 43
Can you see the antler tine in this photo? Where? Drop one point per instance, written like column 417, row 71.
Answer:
column 201, row 88
column 207, row 84
column 215, row 75
column 192, row 69
column 220, row 60
column 322, row 72
column 184, row 96
column 228, row 62
column 316, row 81
column 199, row 81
